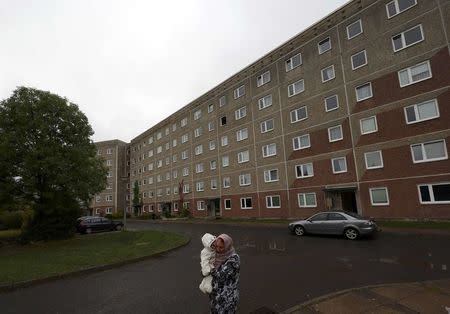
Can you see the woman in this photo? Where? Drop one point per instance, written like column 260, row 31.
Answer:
column 224, row 297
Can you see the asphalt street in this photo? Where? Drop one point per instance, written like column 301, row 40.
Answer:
column 278, row 271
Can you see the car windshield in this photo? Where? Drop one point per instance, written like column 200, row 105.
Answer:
column 355, row 215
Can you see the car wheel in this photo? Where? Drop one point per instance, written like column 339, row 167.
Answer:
column 118, row 227
column 351, row 233
column 299, row 231
column 88, row 230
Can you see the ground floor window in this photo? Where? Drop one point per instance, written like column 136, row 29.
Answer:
column 186, row 205
column 175, row 206
column 227, row 203
column 273, row 201
column 109, row 210
column 307, row 199
column 97, row 211
column 200, row 205
column 436, row 193
column 246, row 203
column 379, row 196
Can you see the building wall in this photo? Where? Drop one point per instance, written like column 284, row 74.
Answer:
column 399, row 175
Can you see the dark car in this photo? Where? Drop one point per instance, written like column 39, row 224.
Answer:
column 348, row 224
column 89, row 224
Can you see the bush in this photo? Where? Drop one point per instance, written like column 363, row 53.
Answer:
column 145, row 216
column 185, row 213
column 11, row 220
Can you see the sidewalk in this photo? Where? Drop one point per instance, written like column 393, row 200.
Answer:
column 418, row 297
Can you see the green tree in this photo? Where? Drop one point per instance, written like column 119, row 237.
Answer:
column 137, row 201
column 47, row 161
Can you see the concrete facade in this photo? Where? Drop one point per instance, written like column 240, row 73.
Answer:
column 352, row 114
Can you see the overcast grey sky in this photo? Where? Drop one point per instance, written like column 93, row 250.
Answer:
column 130, row 64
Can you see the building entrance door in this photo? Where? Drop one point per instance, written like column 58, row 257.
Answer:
column 349, row 201
column 343, row 198
column 214, row 208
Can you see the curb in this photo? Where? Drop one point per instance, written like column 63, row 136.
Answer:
column 90, row 270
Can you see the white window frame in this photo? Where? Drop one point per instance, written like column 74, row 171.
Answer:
column 213, row 184
column 268, row 177
column 269, row 201
column 360, row 86
column 351, row 24
column 222, row 101
column 320, row 43
column 226, row 182
column 402, row 37
column 410, row 78
column 328, row 98
column 263, row 79
column 294, row 89
column 331, row 77
column 380, row 153
column 225, row 161
column 417, row 113
column 298, row 138
column 225, row 201
column 267, row 150
column 200, row 186
column 210, row 126
column 224, row 140
column 183, row 122
column 240, row 113
column 361, row 121
column 264, row 125
column 303, row 166
column 199, row 149
column 242, row 134
column 213, row 164
column 184, row 138
column 265, row 102
column 199, row 168
column 425, row 159
column 361, row 65
column 289, row 63
column 210, row 108
column 341, row 171
column 371, row 196
column 397, row 8
column 198, row 131
column 243, row 156
column 303, row 196
column 329, row 133
column 200, row 205
column 296, row 115
column 244, row 205
column 212, row 145
column 431, row 192
column 239, row 92
column 197, row 114
column 185, row 171
column 245, row 179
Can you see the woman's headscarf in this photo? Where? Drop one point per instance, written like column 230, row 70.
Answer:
column 228, row 250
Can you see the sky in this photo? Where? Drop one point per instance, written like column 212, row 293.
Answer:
column 130, row 64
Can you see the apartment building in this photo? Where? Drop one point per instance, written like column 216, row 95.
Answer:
column 115, row 197
column 353, row 113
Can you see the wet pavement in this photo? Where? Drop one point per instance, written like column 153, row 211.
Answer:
column 278, row 272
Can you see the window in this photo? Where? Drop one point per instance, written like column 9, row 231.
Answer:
column 269, row 150
column 379, row 196
column 198, row 149
column 304, row 171
column 197, row 114
column 158, row 135
column 199, row 168
column 246, row 203
column 212, row 145
column 436, row 193
column 354, row 29
column 363, row 91
column 184, row 138
column 299, row 114
column 273, row 201
column 398, row 6
column 109, row 162
column 185, row 171
column 167, row 161
column 270, row 175
column 150, row 167
column 307, row 200
column 210, row 108
column 158, row 178
column 109, row 174
column 98, row 198
column 407, row 38
column 224, row 140
column 167, row 146
column 245, row 179
column 198, row 131
column 186, row 205
column 184, row 154
column 239, row 92
column 240, row 113
column 267, row 126
column 359, row 59
column 293, row 62
column 186, row 188
column 243, row 156
column 328, row 73
column 109, row 210
column 227, row 203
column 222, row 101
column 265, row 102
column 213, row 184
column 339, row 165
column 99, row 152
column 174, row 142
column 109, row 151
column 150, row 140
column 263, row 79
column 223, row 120
column 296, row 88
column 200, row 186
column 430, row 151
column 301, row 142
column 324, row 45
column 226, row 182
column 421, row 112
column 335, row 133
column 242, row 134
column 159, row 149
column 414, row 74
column 175, row 174
column 200, row 205
column 150, row 153
column 167, row 176
column 331, row 103
column 368, row 125
column 183, row 122
column 109, row 186
column 109, row 198
column 213, row 164
column 225, row 161
column 374, row 160
column 174, row 127
column 211, row 126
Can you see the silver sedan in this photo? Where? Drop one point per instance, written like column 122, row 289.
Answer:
column 349, row 224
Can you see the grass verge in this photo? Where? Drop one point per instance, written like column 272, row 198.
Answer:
column 439, row 225
column 9, row 234
column 46, row 259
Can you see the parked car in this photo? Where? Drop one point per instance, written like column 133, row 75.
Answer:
column 348, row 224
column 89, row 224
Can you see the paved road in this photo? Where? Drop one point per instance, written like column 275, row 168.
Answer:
column 278, row 271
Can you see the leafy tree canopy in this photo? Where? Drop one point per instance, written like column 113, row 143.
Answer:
column 47, row 159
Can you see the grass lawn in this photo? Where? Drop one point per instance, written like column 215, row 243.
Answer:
column 9, row 234
column 45, row 259
column 442, row 225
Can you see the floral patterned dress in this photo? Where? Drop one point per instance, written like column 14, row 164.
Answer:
column 224, row 297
